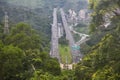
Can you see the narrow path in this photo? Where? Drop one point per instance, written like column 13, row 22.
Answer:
column 84, row 37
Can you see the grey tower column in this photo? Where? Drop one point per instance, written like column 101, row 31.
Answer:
column 54, row 38
column 6, row 26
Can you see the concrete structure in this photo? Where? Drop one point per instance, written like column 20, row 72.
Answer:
column 66, row 66
column 54, row 40
column 57, row 32
column 75, row 53
column 60, row 30
column 6, row 26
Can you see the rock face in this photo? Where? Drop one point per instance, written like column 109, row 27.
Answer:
column 107, row 18
column 74, row 18
column 82, row 14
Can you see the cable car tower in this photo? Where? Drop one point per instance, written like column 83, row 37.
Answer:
column 6, row 25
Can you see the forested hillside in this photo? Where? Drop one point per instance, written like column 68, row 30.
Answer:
column 34, row 17
column 37, row 13
column 103, row 60
column 24, row 55
column 24, row 51
column 68, row 4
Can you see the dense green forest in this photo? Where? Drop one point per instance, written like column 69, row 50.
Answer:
column 46, row 4
column 102, row 62
column 24, row 55
column 24, row 52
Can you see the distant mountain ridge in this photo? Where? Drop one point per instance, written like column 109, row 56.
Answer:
column 37, row 13
column 50, row 3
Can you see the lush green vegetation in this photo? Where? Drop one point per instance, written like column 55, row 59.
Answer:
column 67, row 4
column 65, row 54
column 81, row 28
column 102, row 61
column 24, row 51
column 24, row 55
column 64, row 50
